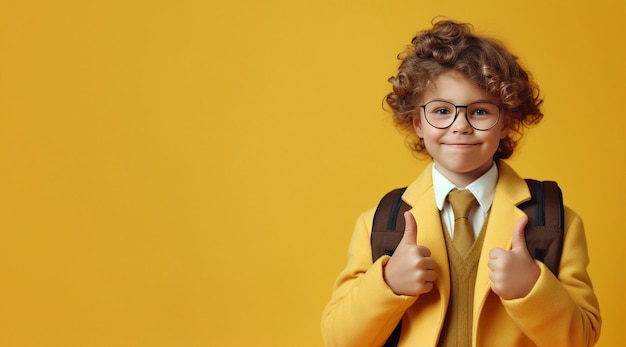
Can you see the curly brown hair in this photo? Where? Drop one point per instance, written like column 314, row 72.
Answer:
column 450, row 45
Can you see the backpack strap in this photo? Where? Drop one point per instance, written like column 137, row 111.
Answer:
column 387, row 231
column 545, row 228
column 388, row 225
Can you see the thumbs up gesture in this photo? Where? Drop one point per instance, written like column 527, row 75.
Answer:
column 411, row 270
column 514, row 272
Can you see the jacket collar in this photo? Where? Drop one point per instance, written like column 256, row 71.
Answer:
column 509, row 183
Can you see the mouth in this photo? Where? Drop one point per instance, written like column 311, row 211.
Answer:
column 461, row 145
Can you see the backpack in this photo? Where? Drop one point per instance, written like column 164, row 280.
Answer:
column 544, row 231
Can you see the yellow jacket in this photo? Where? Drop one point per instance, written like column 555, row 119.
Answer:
column 363, row 311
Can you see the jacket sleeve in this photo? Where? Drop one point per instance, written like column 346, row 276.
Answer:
column 363, row 311
column 570, row 314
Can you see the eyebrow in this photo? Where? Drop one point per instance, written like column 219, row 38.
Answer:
column 473, row 102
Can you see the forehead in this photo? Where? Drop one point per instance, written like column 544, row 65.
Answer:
column 455, row 87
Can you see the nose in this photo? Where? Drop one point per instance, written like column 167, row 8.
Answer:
column 460, row 123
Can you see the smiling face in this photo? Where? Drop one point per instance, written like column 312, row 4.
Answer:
column 460, row 152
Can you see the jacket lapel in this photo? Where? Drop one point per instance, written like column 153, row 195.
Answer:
column 420, row 195
column 511, row 190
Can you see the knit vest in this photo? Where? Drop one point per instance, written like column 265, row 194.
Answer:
column 457, row 327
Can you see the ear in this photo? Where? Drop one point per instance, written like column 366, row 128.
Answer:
column 504, row 132
column 417, row 125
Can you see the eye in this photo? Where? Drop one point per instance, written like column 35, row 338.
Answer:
column 442, row 111
column 483, row 110
column 480, row 112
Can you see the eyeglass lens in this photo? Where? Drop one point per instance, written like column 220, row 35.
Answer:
column 480, row 115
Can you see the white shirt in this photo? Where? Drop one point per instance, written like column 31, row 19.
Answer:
column 483, row 189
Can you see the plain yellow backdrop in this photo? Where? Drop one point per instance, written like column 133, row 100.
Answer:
column 187, row 173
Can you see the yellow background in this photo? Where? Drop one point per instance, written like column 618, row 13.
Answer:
column 187, row 173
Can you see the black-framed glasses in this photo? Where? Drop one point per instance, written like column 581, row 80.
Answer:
column 480, row 115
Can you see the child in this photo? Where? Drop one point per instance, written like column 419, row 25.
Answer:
column 467, row 99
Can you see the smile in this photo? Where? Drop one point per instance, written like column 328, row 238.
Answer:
column 461, row 145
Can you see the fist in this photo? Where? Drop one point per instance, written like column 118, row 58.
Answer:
column 513, row 272
column 411, row 270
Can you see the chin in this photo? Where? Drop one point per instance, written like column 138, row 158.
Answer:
column 469, row 169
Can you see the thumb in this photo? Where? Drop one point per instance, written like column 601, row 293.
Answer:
column 519, row 235
column 410, row 230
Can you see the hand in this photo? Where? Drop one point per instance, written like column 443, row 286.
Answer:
column 513, row 273
column 411, row 270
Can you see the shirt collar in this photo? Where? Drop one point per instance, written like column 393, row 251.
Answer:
column 483, row 188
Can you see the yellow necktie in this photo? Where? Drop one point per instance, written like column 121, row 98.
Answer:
column 462, row 202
